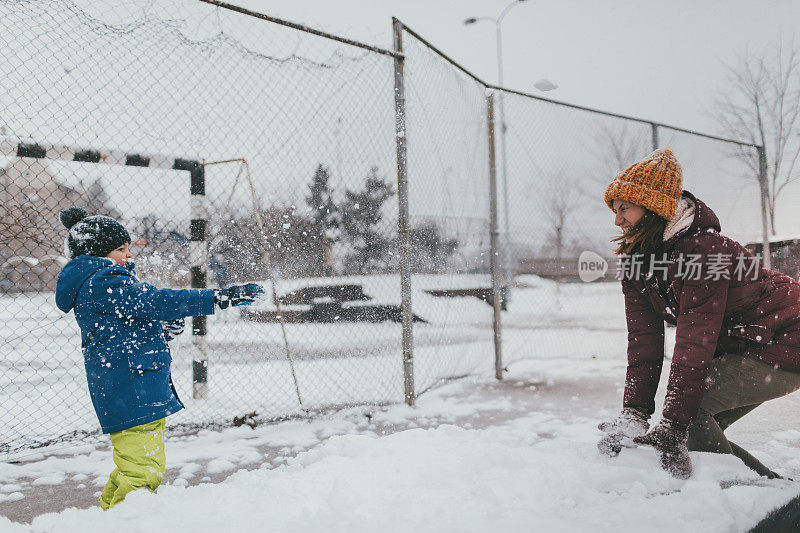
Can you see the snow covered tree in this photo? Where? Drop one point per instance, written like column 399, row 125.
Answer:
column 288, row 239
column 430, row 248
column 361, row 215
column 324, row 212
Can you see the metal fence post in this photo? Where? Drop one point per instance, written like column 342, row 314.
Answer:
column 493, row 248
column 763, row 187
column 402, row 213
column 654, row 135
column 508, row 261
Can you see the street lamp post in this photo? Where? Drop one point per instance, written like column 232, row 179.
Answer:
column 544, row 85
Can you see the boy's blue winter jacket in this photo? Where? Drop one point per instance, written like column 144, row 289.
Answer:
column 127, row 359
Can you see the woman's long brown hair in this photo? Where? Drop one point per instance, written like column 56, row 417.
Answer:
column 646, row 236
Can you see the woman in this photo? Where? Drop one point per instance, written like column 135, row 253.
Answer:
column 738, row 325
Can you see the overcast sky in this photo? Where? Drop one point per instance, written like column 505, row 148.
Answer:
column 658, row 60
column 654, row 60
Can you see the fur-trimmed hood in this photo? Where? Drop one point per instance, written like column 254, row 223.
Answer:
column 691, row 215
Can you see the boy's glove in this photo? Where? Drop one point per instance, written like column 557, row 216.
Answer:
column 668, row 437
column 237, row 295
column 629, row 424
column 172, row 328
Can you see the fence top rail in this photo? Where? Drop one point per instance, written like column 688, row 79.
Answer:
column 301, row 27
column 439, row 52
column 626, row 117
column 565, row 104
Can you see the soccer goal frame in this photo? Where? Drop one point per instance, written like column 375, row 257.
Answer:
column 197, row 225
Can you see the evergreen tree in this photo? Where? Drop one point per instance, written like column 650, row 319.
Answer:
column 323, row 209
column 240, row 249
column 324, row 213
column 431, row 249
column 361, row 215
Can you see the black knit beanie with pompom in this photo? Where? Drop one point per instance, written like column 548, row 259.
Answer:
column 91, row 235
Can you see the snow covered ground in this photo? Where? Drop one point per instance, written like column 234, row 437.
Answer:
column 474, row 455
column 43, row 392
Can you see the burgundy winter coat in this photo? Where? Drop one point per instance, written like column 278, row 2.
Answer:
column 758, row 318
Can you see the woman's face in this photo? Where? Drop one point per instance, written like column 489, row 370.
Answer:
column 627, row 214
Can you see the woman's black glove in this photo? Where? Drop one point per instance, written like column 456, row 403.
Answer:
column 237, row 295
column 172, row 328
column 668, row 437
column 629, row 424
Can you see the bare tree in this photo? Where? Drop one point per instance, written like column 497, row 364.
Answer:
column 620, row 145
column 562, row 203
column 762, row 106
column 616, row 145
column 22, row 229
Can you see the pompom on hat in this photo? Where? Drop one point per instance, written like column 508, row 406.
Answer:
column 91, row 235
column 654, row 183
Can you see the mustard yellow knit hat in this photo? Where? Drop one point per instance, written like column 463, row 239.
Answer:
column 654, row 183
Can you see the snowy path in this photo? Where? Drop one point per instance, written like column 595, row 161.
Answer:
column 474, row 455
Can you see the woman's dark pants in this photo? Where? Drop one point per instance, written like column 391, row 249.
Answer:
column 735, row 386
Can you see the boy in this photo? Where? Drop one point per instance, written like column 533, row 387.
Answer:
column 123, row 323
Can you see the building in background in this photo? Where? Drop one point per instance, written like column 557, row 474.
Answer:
column 31, row 235
column 784, row 254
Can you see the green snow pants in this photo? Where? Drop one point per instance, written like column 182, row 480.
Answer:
column 140, row 459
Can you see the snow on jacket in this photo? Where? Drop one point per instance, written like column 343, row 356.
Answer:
column 755, row 313
column 126, row 357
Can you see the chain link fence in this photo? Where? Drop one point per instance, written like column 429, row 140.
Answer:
column 448, row 166
column 236, row 147
column 553, row 163
column 560, row 161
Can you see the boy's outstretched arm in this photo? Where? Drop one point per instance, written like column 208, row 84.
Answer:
column 118, row 292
